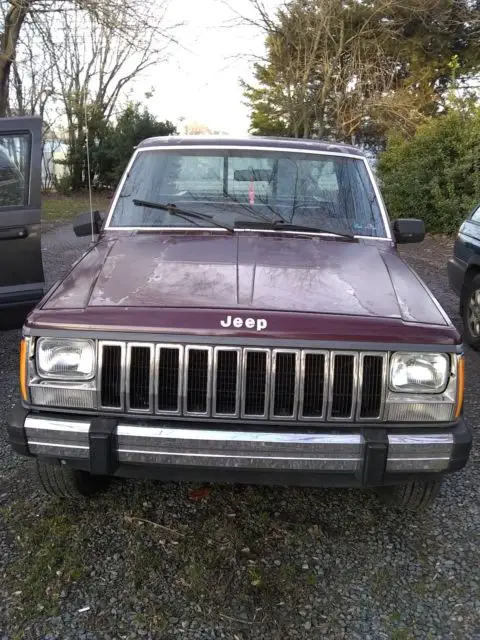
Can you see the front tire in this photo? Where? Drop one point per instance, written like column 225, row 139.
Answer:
column 62, row 481
column 471, row 312
column 415, row 496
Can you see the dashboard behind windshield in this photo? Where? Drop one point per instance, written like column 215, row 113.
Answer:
column 333, row 192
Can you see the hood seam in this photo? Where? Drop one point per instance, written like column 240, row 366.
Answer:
column 97, row 276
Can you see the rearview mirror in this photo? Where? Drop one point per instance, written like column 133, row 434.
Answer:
column 82, row 225
column 408, row 230
column 256, row 175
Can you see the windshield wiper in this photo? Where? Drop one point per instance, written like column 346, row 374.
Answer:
column 285, row 226
column 301, row 227
column 182, row 213
column 256, row 215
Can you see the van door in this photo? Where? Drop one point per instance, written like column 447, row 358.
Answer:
column 21, row 271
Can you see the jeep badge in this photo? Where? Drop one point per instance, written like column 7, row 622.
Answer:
column 249, row 323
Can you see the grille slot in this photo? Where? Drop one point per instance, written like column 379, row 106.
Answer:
column 242, row 382
column 197, row 381
column 371, row 396
column 256, row 378
column 285, row 378
column 314, row 385
column 139, row 378
column 111, row 377
column 343, row 381
column 226, row 385
column 168, row 379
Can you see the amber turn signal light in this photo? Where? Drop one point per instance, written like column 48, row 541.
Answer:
column 23, row 369
column 460, row 385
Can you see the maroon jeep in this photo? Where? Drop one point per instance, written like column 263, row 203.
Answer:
column 243, row 315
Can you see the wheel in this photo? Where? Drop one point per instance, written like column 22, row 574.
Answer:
column 62, row 481
column 415, row 496
column 471, row 312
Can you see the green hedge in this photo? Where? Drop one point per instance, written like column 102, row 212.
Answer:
column 435, row 175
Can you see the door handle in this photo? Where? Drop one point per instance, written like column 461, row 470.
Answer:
column 14, row 233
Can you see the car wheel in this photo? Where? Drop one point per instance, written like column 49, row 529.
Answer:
column 415, row 496
column 471, row 313
column 62, row 481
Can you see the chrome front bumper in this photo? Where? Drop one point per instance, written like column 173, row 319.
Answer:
column 70, row 439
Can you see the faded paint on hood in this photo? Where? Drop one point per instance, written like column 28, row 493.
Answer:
column 254, row 271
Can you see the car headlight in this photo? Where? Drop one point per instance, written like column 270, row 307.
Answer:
column 419, row 372
column 65, row 359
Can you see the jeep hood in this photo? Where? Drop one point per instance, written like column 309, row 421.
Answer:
column 250, row 272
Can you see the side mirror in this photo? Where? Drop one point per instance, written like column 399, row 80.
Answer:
column 408, row 230
column 82, row 225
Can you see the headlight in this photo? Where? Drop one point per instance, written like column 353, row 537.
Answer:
column 419, row 372
column 65, row 359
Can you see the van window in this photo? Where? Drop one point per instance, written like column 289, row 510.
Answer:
column 476, row 215
column 14, row 169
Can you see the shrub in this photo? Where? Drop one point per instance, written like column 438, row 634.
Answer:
column 435, row 175
column 111, row 153
column 63, row 184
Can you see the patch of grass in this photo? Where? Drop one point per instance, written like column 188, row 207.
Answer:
column 420, row 587
column 50, row 561
column 288, row 573
column 151, row 620
column 264, row 517
column 402, row 633
column 147, row 561
column 196, row 576
column 56, row 207
column 311, row 579
column 255, row 576
column 7, row 512
column 398, row 631
column 381, row 582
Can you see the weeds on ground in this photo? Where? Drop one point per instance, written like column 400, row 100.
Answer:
column 49, row 552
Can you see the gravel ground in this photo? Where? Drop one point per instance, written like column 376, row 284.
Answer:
column 160, row 561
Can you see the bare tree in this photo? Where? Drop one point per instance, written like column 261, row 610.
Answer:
column 32, row 77
column 124, row 17
column 14, row 17
column 85, row 64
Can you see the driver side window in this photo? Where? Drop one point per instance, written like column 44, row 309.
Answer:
column 14, row 169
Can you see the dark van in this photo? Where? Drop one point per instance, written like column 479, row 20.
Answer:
column 21, row 271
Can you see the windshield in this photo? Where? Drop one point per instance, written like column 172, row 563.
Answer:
column 245, row 188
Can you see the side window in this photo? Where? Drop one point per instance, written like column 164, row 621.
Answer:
column 476, row 215
column 14, row 169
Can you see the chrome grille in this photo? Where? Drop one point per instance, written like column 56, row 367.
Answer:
column 313, row 385
column 197, row 381
column 256, row 364
column 284, row 386
column 242, row 382
column 112, row 371
column 343, row 374
column 373, row 372
column 226, row 382
column 139, row 381
column 168, row 387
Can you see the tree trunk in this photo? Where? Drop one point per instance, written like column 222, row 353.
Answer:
column 14, row 19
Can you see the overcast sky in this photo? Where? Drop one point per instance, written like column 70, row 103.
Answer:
column 201, row 79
